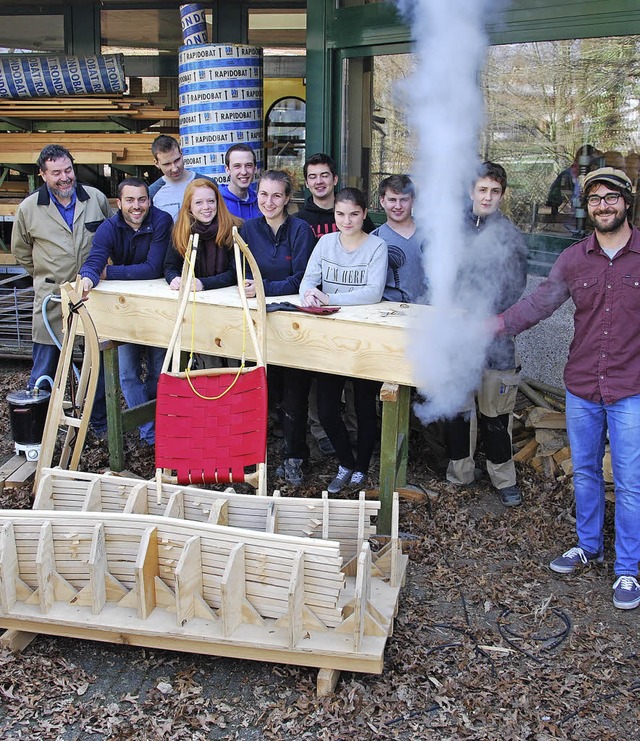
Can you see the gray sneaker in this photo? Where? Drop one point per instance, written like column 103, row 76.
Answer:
column 293, row 471
column 358, row 478
column 573, row 559
column 626, row 593
column 342, row 478
column 510, row 496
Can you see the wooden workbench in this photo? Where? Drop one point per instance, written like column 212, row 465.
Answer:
column 358, row 341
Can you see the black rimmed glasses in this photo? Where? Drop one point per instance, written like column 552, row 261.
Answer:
column 609, row 198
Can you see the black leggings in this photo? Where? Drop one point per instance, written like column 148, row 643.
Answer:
column 329, row 395
column 289, row 394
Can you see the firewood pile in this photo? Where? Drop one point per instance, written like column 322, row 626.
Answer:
column 540, row 433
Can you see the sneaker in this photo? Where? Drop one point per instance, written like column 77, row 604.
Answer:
column 293, row 471
column 325, row 446
column 626, row 593
column 572, row 559
column 510, row 496
column 341, row 480
column 358, row 478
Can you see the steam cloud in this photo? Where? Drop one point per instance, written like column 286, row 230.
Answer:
column 446, row 111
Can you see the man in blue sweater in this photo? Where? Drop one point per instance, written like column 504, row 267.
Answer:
column 131, row 245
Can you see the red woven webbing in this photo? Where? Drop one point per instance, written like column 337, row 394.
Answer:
column 209, row 441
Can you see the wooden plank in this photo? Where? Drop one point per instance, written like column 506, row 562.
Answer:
column 16, row 640
column 360, row 341
column 17, row 471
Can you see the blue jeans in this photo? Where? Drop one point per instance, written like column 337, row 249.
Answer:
column 587, row 426
column 45, row 363
column 134, row 389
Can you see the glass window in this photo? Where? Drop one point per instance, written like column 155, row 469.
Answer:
column 554, row 110
column 32, row 33
column 285, row 143
column 377, row 141
column 137, row 32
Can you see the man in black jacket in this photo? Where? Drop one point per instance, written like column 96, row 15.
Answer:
column 495, row 263
column 321, row 179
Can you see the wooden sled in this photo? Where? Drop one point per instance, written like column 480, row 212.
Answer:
column 172, row 584
column 73, row 415
column 346, row 521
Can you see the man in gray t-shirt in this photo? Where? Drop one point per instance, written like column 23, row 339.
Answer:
column 168, row 191
column 405, row 276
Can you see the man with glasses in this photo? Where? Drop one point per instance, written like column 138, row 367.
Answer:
column 601, row 274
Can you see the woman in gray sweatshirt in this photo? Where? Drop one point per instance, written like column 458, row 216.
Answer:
column 347, row 268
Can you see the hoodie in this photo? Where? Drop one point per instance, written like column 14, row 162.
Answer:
column 247, row 209
column 322, row 220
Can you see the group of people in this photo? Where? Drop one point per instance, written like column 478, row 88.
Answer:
column 330, row 254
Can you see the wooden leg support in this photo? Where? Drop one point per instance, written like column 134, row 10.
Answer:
column 394, row 447
column 327, row 681
column 17, row 640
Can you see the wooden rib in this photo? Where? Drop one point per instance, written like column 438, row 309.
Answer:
column 9, row 570
column 188, row 577
column 51, row 586
column 175, row 506
column 146, row 571
column 235, row 607
column 137, row 503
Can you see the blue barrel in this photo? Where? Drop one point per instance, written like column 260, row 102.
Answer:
column 220, row 99
column 194, row 24
column 36, row 76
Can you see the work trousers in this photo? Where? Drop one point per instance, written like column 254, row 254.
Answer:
column 496, row 402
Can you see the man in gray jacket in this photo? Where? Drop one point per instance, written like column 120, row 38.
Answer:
column 51, row 238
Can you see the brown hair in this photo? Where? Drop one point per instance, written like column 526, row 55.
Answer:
column 185, row 221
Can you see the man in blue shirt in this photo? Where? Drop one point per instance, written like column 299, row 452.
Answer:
column 132, row 246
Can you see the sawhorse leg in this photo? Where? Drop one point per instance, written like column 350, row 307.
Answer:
column 394, row 448
column 114, row 410
column 120, row 421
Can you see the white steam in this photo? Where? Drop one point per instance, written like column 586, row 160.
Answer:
column 446, row 111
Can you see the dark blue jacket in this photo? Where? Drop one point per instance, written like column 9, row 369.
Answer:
column 282, row 257
column 134, row 255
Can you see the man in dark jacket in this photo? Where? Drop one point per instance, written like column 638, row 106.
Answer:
column 321, row 179
column 131, row 245
column 495, row 263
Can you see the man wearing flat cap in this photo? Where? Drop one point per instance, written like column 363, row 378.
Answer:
column 601, row 274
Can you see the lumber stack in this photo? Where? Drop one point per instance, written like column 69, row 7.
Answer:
column 85, row 108
column 91, row 148
column 184, row 585
column 543, row 444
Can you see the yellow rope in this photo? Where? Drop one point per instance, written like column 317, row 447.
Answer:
column 193, row 326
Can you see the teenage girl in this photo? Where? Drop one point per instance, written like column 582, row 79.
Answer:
column 347, row 267
column 203, row 212
column 281, row 245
